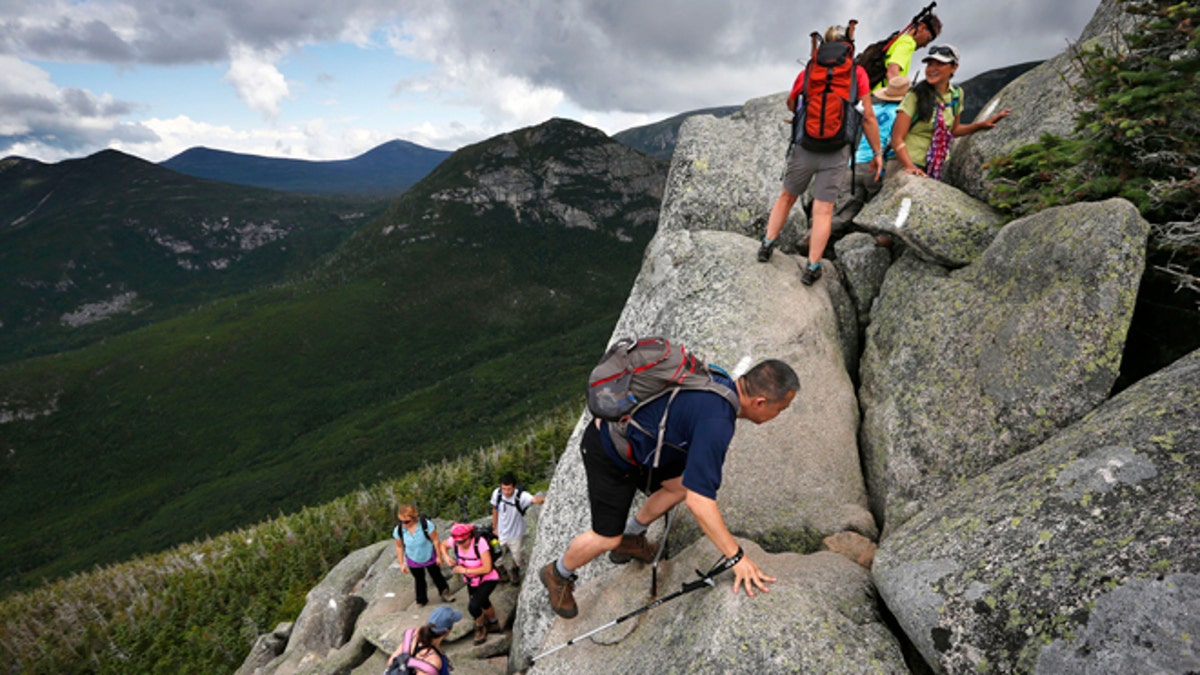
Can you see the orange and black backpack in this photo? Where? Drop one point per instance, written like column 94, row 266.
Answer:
column 827, row 118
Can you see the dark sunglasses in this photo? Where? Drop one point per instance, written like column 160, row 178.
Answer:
column 406, row 522
column 943, row 51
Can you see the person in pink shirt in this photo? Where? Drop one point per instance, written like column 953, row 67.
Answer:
column 473, row 560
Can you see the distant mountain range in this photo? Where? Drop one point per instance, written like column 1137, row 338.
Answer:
column 659, row 139
column 93, row 247
column 385, row 171
column 476, row 301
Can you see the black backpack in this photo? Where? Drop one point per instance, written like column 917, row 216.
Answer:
column 873, row 59
column 516, row 500
column 634, row 372
column 489, row 537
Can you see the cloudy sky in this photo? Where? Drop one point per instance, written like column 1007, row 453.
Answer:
column 315, row 79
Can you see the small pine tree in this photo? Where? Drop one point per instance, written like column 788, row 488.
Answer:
column 1138, row 136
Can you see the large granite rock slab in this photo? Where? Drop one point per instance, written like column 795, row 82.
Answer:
column 727, row 172
column 818, row 618
column 964, row 370
column 1080, row 556
column 791, row 481
column 941, row 224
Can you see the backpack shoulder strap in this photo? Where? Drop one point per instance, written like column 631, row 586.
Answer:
column 425, row 528
column 409, row 662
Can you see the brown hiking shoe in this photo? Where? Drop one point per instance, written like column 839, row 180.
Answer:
column 562, row 591
column 633, row 546
column 480, row 634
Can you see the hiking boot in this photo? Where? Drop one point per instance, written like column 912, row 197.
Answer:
column 504, row 578
column 515, row 574
column 493, row 626
column 481, row 632
column 633, row 546
column 562, row 591
column 765, row 250
column 446, row 595
column 811, row 274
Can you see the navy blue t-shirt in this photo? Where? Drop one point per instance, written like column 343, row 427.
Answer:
column 700, row 422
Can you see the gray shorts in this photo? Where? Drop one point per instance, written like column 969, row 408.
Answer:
column 824, row 169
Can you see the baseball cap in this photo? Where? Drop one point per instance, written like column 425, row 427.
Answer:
column 443, row 619
column 461, row 531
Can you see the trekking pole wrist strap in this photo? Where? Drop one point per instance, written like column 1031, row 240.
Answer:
column 733, row 560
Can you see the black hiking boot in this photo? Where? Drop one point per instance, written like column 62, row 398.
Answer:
column 765, row 250
column 562, row 591
column 633, row 546
column 811, row 274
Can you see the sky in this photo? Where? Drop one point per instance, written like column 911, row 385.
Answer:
column 322, row 80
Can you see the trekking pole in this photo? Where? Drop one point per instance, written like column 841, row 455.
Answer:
column 850, row 30
column 928, row 9
column 662, row 547
column 705, row 581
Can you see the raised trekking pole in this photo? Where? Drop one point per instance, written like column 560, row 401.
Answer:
column 850, row 30
column 928, row 9
column 705, row 581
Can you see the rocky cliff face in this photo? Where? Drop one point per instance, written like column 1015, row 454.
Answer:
column 1026, row 521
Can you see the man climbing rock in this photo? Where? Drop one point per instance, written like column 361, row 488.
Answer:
column 696, row 437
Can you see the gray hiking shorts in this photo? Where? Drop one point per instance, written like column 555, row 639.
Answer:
column 823, row 169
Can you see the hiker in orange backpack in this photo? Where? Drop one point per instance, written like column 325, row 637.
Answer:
column 824, row 99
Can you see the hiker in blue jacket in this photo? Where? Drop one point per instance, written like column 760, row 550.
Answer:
column 698, row 432
column 418, row 550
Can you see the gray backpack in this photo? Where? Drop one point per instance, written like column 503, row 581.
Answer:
column 634, row 372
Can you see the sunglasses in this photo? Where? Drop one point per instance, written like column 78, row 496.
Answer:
column 406, row 522
column 943, row 51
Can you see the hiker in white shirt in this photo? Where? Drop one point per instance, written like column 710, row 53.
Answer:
column 509, row 503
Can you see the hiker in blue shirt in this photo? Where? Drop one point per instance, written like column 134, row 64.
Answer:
column 698, row 432
column 418, row 550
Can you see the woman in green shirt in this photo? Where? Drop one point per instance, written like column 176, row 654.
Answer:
column 928, row 117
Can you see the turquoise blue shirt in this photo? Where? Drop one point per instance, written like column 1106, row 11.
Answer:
column 417, row 546
column 885, row 114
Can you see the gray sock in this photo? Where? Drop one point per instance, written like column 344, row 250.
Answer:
column 562, row 570
column 634, row 528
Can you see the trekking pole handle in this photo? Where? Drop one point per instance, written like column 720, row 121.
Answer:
column 927, row 10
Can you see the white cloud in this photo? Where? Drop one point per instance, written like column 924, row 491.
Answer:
column 40, row 119
column 257, row 81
